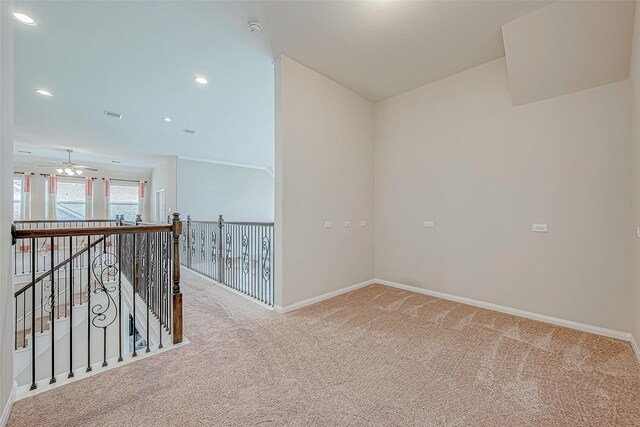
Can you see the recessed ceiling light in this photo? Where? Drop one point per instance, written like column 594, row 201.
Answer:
column 200, row 80
column 43, row 92
column 23, row 19
column 167, row 119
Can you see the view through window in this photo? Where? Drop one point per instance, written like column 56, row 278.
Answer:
column 17, row 198
column 70, row 203
column 124, row 201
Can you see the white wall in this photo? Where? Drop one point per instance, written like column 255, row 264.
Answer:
column 163, row 177
column 39, row 189
column 324, row 172
column 458, row 153
column 206, row 190
column 6, row 212
column 635, row 106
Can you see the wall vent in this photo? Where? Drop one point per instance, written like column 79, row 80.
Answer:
column 189, row 131
column 112, row 114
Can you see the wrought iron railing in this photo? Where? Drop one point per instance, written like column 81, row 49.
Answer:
column 23, row 262
column 143, row 260
column 146, row 264
column 236, row 254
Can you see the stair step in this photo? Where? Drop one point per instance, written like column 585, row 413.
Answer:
column 42, row 322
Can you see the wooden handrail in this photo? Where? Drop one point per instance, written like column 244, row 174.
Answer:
column 58, row 267
column 90, row 231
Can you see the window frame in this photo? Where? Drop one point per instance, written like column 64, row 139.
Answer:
column 112, row 203
column 20, row 179
column 83, row 202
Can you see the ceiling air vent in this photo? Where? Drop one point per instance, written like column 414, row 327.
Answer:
column 112, row 114
column 189, row 131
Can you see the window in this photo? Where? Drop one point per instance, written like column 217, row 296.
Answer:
column 124, row 201
column 17, row 198
column 70, row 203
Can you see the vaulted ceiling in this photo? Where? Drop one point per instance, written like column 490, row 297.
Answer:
column 139, row 59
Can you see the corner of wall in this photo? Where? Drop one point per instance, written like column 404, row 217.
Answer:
column 634, row 346
column 634, row 77
column 6, row 412
column 278, row 185
column 7, row 385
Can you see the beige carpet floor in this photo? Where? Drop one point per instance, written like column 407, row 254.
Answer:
column 376, row 356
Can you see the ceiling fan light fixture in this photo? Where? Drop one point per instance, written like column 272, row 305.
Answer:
column 79, row 171
column 59, row 170
column 69, row 172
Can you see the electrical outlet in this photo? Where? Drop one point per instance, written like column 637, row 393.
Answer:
column 428, row 224
column 363, row 223
column 328, row 224
column 347, row 223
column 539, row 228
column 637, row 232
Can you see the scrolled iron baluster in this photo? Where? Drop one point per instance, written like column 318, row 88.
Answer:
column 266, row 259
column 44, row 253
column 245, row 254
column 228, row 251
column 104, row 313
column 203, row 249
column 50, row 300
column 183, row 237
column 213, row 248
column 193, row 243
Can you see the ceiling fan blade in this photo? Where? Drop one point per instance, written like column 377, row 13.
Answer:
column 48, row 165
column 87, row 168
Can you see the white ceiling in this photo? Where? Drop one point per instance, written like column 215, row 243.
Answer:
column 139, row 59
column 382, row 48
column 567, row 47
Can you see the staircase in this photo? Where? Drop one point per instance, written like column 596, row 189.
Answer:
column 86, row 308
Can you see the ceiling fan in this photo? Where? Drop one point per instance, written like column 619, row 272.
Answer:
column 69, row 167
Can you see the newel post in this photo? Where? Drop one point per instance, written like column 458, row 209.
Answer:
column 177, row 295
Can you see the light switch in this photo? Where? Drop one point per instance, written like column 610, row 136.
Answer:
column 428, row 224
column 347, row 223
column 363, row 223
column 637, row 232
column 328, row 224
column 539, row 228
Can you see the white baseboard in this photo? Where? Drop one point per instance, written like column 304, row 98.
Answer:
column 624, row 336
column 4, row 419
column 304, row 303
column 634, row 346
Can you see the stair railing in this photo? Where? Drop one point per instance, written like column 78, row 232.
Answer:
column 236, row 254
column 67, row 265
column 22, row 259
column 150, row 271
